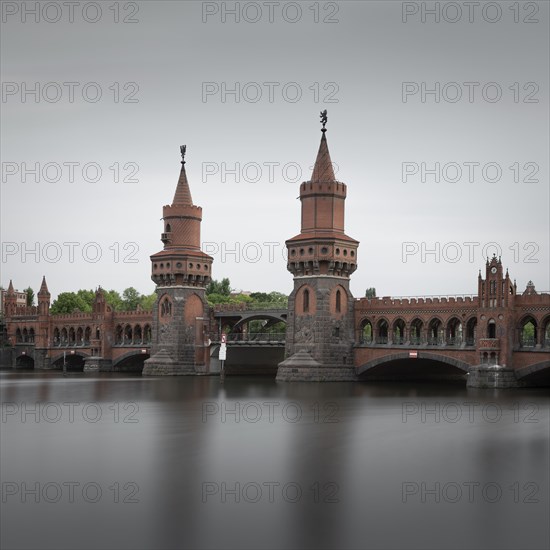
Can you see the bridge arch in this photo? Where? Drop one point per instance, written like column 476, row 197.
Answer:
column 75, row 361
column 131, row 361
column 403, row 357
column 256, row 317
column 24, row 361
column 538, row 374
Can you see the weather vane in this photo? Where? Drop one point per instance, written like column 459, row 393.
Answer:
column 324, row 119
column 183, row 148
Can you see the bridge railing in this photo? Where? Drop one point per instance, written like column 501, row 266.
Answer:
column 417, row 341
column 251, row 337
column 243, row 306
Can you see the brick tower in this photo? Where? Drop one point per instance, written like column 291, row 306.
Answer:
column 496, row 294
column 320, row 326
column 42, row 336
column 181, row 272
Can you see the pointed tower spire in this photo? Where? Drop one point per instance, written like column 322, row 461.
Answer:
column 182, row 196
column 43, row 298
column 43, row 287
column 320, row 327
column 323, row 170
column 10, row 288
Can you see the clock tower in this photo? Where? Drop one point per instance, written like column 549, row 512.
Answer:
column 496, row 295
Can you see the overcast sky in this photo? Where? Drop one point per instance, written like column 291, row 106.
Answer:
column 165, row 77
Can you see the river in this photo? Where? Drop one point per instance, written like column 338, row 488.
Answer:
column 120, row 461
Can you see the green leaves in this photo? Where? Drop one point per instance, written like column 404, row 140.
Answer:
column 70, row 302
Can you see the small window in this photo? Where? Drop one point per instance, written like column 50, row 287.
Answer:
column 306, row 301
column 338, row 301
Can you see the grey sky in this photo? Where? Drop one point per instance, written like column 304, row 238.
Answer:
column 360, row 62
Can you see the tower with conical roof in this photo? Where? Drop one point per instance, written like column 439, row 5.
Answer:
column 44, row 297
column 10, row 301
column 181, row 272
column 320, row 324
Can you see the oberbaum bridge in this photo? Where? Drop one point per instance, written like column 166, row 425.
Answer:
column 497, row 338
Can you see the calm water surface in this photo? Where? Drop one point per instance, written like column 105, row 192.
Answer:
column 109, row 461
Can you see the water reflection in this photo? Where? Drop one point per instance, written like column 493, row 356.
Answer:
column 253, row 463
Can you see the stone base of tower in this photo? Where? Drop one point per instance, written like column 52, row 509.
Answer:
column 492, row 376
column 162, row 364
column 97, row 364
column 301, row 367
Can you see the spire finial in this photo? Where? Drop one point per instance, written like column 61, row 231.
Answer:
column 183, row 148
column 324, row 119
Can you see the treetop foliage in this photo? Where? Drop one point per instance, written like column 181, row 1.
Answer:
column 219, row 292
column 82, row 300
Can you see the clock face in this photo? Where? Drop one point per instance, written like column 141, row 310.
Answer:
column 493, row 270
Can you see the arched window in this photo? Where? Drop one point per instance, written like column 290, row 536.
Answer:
column 305, row 303
column 382, row 337
column 366, row 332
column 166, row 307
column 137, row 335
column 119, row 335
column 168, row 228
column 471, row 330
column 147, row 334
column 492, row 329
column 528, row 333
column 454, row 332
column 435, row 331
column 416, row 332
column 18, row 336
column 87, row 335
column 338, row 301
column 399, row 332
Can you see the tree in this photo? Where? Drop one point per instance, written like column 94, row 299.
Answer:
column 30, row 296
column 88, row 296
column 113, row 299
column 130, row 299
column 69, row 302
column 370, row 292
column 222, row 287
column 147, row 301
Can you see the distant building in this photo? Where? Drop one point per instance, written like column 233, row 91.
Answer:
column 20, row 299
